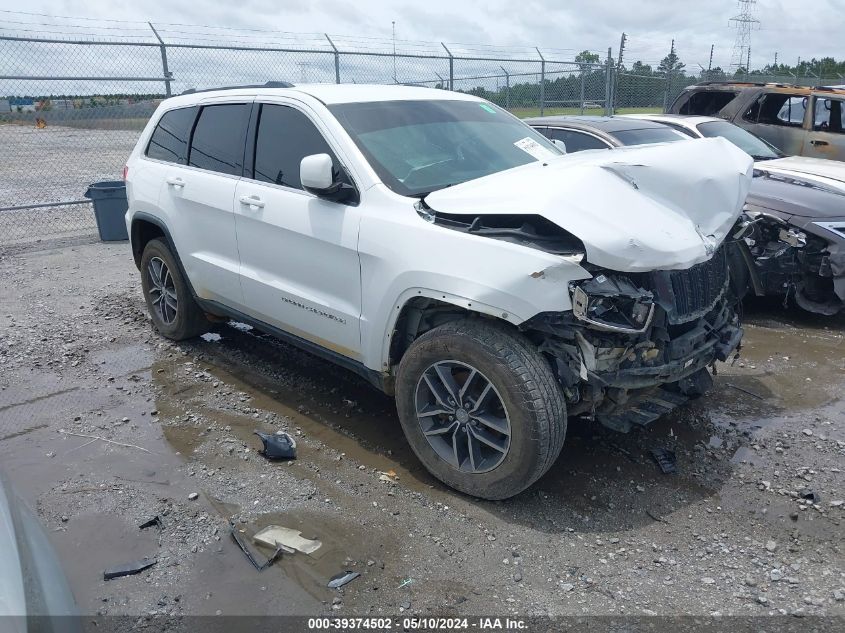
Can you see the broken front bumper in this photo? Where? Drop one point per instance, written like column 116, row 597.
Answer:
column 607, row 357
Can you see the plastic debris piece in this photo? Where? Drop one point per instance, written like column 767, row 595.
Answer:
column 239, row 539
column 407, row 581
column 276, row 535
column 156, row 520
column 277, row 445
column 128, row 569
column 810, row 495
column 665, row 459
column 338, row 580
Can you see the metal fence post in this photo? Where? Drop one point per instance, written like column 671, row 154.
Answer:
column 542, row 81
column 507, row 88
column 583, row 81
column 163, row 48
column 608, row 85
column 451, row 67
column 336, row 59
column 668, row 88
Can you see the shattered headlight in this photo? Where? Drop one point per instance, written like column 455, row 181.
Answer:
column 613, row 304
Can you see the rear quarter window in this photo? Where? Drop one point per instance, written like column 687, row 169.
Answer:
column 707, row 102
column 169, row 141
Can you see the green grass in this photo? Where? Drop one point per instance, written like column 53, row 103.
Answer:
column 524, row 113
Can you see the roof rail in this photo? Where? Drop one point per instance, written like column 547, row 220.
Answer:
column 269, row 84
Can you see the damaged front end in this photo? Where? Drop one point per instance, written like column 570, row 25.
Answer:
column 796, row 244
column 807, row 264
column 635, row 345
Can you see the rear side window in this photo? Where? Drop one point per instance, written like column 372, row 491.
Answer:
column 285, row 137
column 219, row 138
column 707, row 102
column 170, row 138
column 575, row 141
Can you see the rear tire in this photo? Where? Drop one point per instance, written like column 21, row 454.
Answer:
column 172, row 308
column 506, row 437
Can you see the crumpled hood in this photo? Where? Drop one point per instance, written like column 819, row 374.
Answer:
column 657, row 207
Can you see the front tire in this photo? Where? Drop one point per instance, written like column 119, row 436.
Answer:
column 480, row 407
column 172, row 308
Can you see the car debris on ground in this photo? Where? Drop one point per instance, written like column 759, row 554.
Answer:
column 128, row 569
column 277, row 445
column 340, row 579
column 276, row 535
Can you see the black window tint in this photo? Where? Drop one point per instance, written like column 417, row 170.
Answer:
column 285, row 137
column 576, row 141
column 219, row 137
column 170, row 139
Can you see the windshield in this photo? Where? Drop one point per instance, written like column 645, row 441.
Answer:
column 743, row 139
column 644, row 136
column 417, row 147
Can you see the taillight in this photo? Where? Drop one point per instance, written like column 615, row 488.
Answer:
column 125, row 172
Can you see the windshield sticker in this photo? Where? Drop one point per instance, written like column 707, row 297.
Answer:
column 486, row 107
column 530, row 146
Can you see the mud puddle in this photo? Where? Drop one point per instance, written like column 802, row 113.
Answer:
column 345, row 546
column 372, row 438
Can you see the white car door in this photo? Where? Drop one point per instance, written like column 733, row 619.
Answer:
column 198, row 200
column 298, row 253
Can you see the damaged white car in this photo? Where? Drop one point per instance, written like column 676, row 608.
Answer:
column 448, row 253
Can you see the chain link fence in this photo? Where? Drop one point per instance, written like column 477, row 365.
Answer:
column 71, row 109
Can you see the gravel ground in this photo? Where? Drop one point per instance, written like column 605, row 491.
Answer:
column 603, row 533
column 55, row 164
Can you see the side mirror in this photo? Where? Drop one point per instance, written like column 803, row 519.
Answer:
column 317, row 175
column 560, row 144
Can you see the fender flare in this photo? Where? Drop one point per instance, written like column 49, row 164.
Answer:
column 137, row 253
column 470, row 305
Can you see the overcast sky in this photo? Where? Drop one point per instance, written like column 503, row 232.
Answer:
column 791, row 28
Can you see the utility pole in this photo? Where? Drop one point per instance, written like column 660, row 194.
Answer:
column 394, row 51
column 710, row 63
column 776, row 60
column 621, row 50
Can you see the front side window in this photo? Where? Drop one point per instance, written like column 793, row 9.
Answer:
column 417, row 147
column 830, row 115
column 285, row 137
column 219, row 138
column 169, row 141
column 576, row 141
column 756, row 147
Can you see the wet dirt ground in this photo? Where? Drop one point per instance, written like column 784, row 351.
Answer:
column 104, row 424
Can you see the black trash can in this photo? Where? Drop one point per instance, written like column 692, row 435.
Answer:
column 110, row 205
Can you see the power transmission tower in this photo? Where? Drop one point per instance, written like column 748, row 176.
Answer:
column 745, row 22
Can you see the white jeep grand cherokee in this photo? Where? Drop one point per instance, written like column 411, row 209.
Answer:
column 449, row 254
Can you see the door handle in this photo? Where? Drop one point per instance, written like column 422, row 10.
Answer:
column 817, row 142
column 252, row 201
column 175, row 181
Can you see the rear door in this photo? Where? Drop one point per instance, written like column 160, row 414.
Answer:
column 826, row 139
column 299, row 253
column 199, row 199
